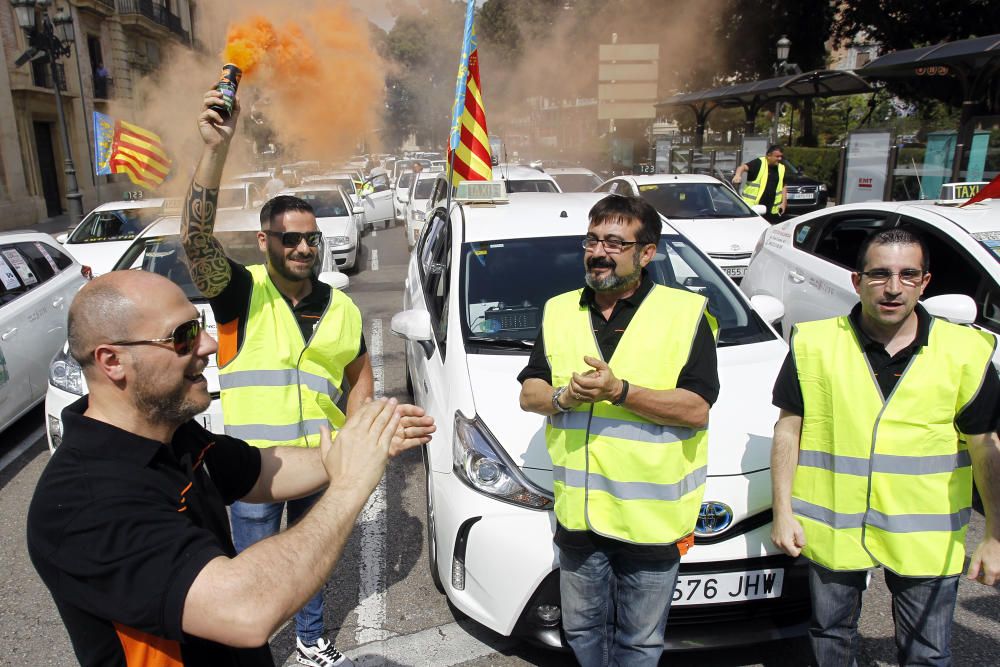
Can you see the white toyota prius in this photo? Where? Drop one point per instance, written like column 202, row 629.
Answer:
column 475, row 289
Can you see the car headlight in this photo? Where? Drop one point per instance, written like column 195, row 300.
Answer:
column 340, row 240
column 481, row 463
column 822, row 187
column 66, row 374
column 418, row 216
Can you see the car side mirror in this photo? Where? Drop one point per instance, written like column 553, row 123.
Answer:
column 334, row 279
column 62, row 238
column 956, row 308
column 759, row 209
column 357, row 210
column 414, row 326
column 769, row 308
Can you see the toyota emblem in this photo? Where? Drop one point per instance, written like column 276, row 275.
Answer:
column 714, row 518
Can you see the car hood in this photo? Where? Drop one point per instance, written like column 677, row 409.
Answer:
column 339, row 226
column 740, row 427
column 101, row 257
column 721, row 235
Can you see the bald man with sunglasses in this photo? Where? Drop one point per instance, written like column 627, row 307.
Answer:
column 292, row 353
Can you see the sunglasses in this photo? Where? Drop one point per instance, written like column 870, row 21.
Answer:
column 184, row 337
column 293, row 239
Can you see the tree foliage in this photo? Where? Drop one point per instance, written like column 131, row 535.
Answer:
column 905, row 24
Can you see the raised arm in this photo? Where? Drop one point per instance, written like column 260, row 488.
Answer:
column 210, row 269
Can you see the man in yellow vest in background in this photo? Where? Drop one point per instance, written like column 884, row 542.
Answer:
column 288, row 346
column 625, row 371
column 887, row 414
column 765, row 183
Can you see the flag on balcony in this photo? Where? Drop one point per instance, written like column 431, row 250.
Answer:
column 124, row 148
column 469, row 143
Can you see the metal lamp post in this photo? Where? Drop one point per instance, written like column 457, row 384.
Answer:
column 51, row 38
column 782, row 67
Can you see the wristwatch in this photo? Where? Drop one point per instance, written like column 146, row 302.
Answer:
column 555, row 399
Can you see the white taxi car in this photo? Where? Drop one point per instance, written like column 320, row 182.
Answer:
column 702, row 208
column 807, row 262
column 159, row 249
column 104, row 233
column 574, row 179
column 525, row 179
column 415, row 209
column 37, row 283
column 475, row 288
column 335, row 216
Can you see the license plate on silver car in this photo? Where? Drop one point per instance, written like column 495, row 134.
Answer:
column 734, row 271
column 803, row 195
column 728, row 587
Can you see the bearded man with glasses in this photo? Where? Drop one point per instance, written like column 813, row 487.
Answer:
column 625, row 371
column 887, row 415
column 290, row 347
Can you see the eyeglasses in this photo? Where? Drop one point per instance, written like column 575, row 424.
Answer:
column 293, row 239
column 911, row 277
column 611, row 246
column 184, row 337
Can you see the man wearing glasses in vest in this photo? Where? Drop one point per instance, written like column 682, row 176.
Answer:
column 287, row 345
column 887, row 415
column 625, row 371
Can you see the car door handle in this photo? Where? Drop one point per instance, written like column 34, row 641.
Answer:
column 58, row 302
column 796, row 277
column 7, row 334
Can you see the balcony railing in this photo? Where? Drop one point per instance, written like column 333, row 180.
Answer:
column 156, row 13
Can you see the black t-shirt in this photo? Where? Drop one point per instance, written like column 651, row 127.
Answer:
column 119, row 528
column 771, row 187
column 233, row 302
column 982, row 415
column 699, row 375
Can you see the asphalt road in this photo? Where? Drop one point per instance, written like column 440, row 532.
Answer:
column 381, row 607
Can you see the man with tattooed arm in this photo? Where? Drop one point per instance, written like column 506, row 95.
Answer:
column 289, row 345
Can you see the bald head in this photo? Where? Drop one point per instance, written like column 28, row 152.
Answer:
column 107, row 309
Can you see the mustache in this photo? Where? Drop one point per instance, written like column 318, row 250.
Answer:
column 600, row 263
column 296, row 255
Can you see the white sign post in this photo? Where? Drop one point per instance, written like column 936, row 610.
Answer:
column 867, row 165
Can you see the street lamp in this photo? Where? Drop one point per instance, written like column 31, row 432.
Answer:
column 50, row 38
column 782, row 68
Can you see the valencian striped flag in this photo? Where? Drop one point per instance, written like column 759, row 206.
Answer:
column 469, row 144
column 124, row 148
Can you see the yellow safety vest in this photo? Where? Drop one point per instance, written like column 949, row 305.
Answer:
column 754, row 190
column 616, row 473
column 279, row 389
column 885, row 481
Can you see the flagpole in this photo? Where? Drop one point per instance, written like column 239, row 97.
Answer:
column 456, row 112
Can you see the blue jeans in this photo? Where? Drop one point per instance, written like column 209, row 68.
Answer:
column 252, row 522
column 922, row 609
column 614, row 606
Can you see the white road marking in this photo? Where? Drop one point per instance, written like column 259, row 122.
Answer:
column 374, row 259
column 22, row 447
column 374, row 233
column 371, row 588
column 445, row 645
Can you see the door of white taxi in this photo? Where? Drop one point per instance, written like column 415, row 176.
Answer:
column 378, row 200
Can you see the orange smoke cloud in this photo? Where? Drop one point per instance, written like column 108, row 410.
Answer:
column 318, row 78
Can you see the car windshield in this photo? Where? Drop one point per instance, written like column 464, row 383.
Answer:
column 165, row 255
column 990, row 241
column 695, row 200
column 115, row 225
column 423, row 189
column 505, row 285
column 232, row 198
column 531, row 186
column 326, row 204
column 577, row 182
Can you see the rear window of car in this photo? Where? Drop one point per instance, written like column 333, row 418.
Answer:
column 114, row 225
column 531, row 186
column 27, row 264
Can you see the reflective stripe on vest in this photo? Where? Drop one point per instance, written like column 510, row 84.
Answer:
column 856, row 490
column 615, row 473
column 754, row 190
column 278, row 390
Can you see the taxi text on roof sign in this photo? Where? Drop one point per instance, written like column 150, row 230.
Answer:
column 481, row 191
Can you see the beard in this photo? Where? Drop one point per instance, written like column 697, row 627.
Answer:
column 286, row 269
column 612, row 282
column 174, row 407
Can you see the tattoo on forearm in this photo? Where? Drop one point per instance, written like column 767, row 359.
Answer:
column 209, row 267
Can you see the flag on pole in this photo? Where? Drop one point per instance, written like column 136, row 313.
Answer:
column 990, row 191
column 469, row 143
column 124, row 148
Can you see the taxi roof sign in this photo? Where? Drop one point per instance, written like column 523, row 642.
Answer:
column 484, row 192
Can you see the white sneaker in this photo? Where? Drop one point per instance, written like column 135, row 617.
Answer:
column 321, row 654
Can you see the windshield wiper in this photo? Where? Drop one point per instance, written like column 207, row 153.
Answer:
column 516, row 343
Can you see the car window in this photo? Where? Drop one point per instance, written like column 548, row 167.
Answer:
column 325, row 203
column 806, row 233
column 695, row 200
column 436, row 273
column 380, row 183
column 531, row 186
column 841, row 237
column 607, row 187
column 505, row 285
column 424, row 188
column 426, row 242
column 17, row 276
column 405, row 180
column 116, row 225
column 45, row 261
column 577, row 182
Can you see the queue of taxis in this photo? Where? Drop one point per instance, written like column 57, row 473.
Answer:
column 476, row 285
column 158, row 248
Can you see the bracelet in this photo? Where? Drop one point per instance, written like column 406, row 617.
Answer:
column 555, row 400
column 621, row 397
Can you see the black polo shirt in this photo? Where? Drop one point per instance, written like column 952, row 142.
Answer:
column 700, row 375
column 233, row 303
column 120, row 526
column 980, row 416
